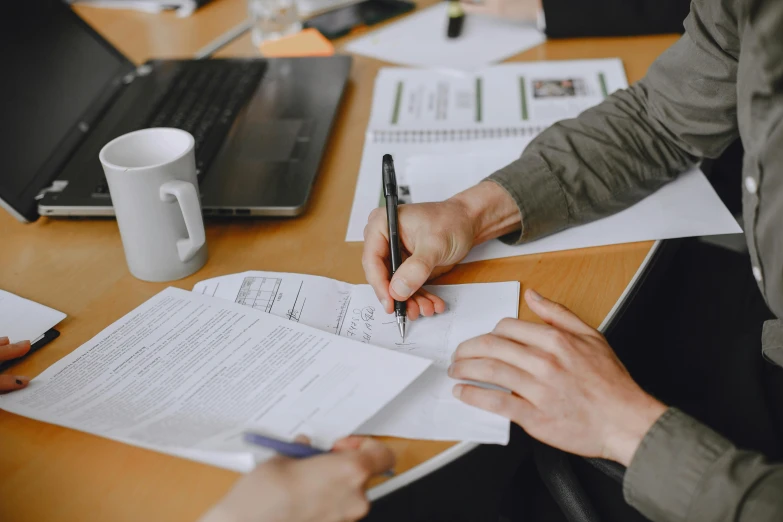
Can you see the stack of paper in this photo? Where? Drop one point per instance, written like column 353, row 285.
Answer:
column 186, row 375
column 285, row 354
column 426, row 409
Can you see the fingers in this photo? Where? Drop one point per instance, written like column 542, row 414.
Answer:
column 524, row 332
column 375, row 456
column 352, row 442
column 493, row 371
column 438, row 304
column 504, row 404
column 556, row 314
column 12, row 382
column 13, row 351
column 4, row 341
column 374, row 256
column 302, row 439
column 412, row 309
column 414, row 272
column 425, row 305
column 531, row 359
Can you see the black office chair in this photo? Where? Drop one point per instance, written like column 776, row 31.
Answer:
column 554, row 466
column 557, row 474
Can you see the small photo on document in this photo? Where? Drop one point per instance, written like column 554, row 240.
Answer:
column 558, row 88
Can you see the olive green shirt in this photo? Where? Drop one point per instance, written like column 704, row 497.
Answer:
column 722, row 79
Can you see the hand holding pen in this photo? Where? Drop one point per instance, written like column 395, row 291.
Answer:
column 325, row 487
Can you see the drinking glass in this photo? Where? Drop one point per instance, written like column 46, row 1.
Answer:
column 273, row 19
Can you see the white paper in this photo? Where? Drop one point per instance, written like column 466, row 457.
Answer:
column 420, row 40
column 186, row 375
column 427, row 410
column 427, row 112
column 688, row 206
column 25, row 320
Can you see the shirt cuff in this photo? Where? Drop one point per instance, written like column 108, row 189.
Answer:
column 538, row 195
column 669, row 466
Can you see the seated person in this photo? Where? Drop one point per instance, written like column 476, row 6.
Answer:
column 722, row 79
column 326, row 488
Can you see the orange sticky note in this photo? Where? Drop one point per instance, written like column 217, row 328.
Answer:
column 308, row 42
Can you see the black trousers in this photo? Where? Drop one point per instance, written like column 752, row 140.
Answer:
column 693, row 339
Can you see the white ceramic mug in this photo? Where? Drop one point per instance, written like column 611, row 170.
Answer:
column 154, row 190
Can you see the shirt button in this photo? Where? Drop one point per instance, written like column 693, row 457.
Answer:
column 757, row 273
column 750, row 185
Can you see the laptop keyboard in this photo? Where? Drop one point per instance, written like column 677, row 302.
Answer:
column 204, row 98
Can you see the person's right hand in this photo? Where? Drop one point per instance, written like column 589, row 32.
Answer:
column 327, row 488
column 10, row 351
column 434, row 237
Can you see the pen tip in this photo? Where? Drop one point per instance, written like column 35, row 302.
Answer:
column 402, row 330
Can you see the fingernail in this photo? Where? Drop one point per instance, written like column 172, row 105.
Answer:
column 535, row 295
column 401, row 288
column 457, row 390
column 3, row 339
column 385, row 304
column 450, row 371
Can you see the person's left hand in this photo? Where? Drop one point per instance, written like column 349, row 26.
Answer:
column 10, row 351
column 569, row 389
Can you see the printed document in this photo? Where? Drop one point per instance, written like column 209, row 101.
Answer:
column 426, row 409
column 444, row 112
column 186, row 375
column 686, row 207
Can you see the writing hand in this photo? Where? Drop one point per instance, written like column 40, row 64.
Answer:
column 9, row 351
column 568, row 387
column 435, row 237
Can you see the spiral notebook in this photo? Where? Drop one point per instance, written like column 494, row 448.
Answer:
column 444, row 112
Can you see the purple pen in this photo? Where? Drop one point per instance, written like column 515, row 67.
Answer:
column 293, row 450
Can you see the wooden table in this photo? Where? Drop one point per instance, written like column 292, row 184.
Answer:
column 52, row 473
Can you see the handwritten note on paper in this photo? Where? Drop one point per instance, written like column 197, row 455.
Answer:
column 426, row 409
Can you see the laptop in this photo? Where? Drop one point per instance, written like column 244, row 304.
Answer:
column 260, row 125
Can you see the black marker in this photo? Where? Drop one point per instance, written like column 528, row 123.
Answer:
column 390, row 194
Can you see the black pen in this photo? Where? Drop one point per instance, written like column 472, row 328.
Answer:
column 390, row 194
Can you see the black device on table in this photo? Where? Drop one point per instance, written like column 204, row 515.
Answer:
column 261, row 125
column 340, row 22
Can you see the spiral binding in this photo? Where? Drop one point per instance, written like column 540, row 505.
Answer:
column 441, row 135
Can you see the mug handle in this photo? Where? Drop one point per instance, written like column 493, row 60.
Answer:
column 187, row 196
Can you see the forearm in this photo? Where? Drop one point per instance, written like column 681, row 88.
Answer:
column 491, row 209
column 638, row 139
column 684, row 471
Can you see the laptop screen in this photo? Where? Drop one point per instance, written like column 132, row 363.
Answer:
column 53, row 68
